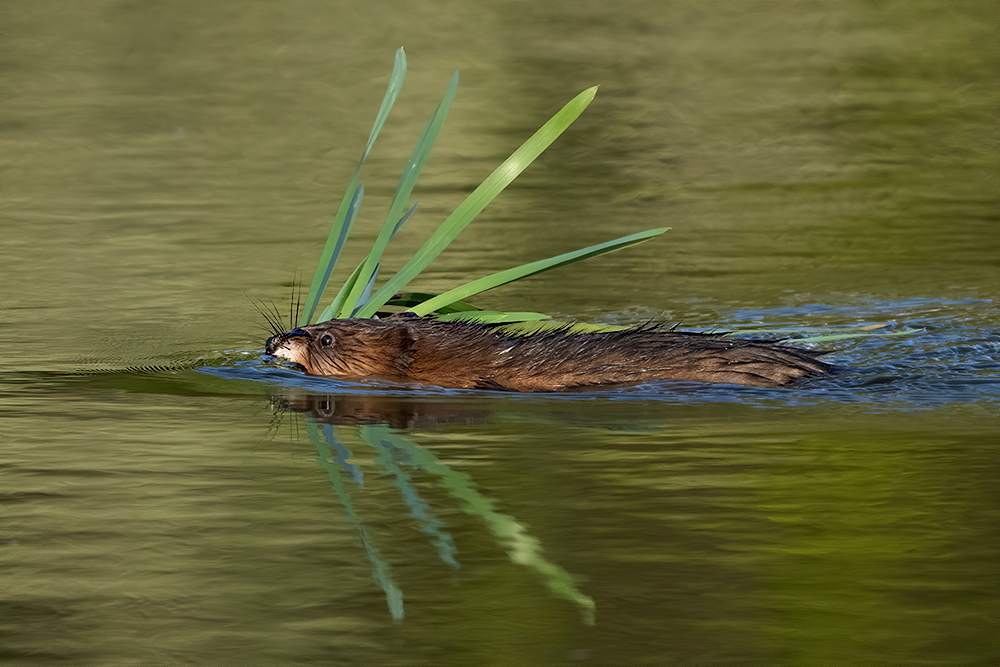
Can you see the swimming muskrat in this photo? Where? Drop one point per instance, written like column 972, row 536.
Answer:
column 462, row 355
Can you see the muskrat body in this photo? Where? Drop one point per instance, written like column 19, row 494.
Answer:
column 407, row 348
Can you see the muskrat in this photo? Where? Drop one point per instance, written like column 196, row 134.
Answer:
column 463, row 355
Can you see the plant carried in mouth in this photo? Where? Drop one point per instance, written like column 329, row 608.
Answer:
column 359, row 298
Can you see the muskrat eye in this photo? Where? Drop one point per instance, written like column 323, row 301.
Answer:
column 326, row 340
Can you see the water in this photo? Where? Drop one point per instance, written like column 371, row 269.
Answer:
column 170, row 497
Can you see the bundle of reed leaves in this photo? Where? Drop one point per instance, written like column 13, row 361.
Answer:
column 358, row 298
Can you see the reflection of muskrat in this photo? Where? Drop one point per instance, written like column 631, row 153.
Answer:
column 407, row 348
column 394, row 410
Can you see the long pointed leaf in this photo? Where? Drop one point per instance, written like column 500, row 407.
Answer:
column 410, row 174
column 530, row 269
column 339, row 230
column 409, row 299
column 331, row 252
column 345, row 230
column 402, row 220
column 492, row 317
column 367, row 291
column 333, row 310
column 395, row 85
column 479, row 199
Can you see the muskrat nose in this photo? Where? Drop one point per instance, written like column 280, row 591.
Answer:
column 278, row 339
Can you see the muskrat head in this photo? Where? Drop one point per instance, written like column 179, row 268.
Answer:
column 294, row 346
column 354, row 348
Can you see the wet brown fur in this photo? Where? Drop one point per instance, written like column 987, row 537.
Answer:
column 405, row 348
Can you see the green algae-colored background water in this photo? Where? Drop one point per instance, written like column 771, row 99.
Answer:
column 820, row 164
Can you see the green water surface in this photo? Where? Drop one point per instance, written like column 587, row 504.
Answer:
column 167, row 497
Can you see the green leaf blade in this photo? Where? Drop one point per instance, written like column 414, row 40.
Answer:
column 530, row 269
column 409, row 299
column 479, row 199
column 411, row 173
column 491, row 317
column 391, row 93
column 339, row 232
column 334, row 310
column 340, row 229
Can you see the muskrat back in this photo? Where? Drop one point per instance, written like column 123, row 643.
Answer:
column 407, row 348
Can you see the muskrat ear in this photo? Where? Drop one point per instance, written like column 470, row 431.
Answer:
column 326, row 340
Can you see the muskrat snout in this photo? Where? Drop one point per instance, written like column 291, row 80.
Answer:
column 278, row 340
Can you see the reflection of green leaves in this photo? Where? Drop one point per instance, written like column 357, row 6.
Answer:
column 429, row 524
column 521, row 547
column 380, row 569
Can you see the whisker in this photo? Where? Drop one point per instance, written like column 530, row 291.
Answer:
column 274, row 324
column 276, row 319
